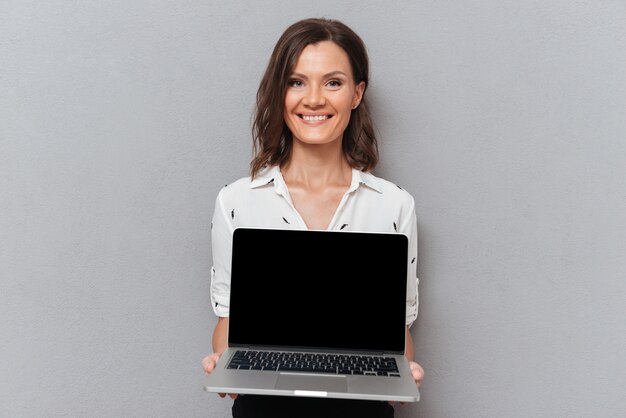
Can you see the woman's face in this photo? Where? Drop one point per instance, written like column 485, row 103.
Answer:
column 321, row 93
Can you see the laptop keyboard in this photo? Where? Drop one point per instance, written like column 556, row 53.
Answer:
column 314, row 363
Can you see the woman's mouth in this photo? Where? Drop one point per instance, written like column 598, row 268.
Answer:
column 315, row 118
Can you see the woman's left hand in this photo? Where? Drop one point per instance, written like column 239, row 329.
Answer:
column 417, row 371
column 418, row 375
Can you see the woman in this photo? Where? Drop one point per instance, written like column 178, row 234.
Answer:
column 314, row 146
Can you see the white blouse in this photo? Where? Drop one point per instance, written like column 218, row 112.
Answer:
column 370, row 204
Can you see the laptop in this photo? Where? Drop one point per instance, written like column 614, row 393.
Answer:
column 317, row 313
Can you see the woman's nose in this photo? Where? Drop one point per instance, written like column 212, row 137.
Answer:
column 314, row 97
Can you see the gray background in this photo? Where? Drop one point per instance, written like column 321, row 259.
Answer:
column 120, row 121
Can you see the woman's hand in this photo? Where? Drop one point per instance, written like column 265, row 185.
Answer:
column 208, row 364
column 418, row 375
column 417, row 371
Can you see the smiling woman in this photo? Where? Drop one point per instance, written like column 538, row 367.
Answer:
column 271, row 130
column 321, row 96
column 314, row 150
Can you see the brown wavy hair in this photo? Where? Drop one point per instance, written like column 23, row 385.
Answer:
column 272, row 139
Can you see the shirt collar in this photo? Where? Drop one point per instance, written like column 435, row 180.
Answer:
column 272, row 175
column 367, row 179
column 266, row 177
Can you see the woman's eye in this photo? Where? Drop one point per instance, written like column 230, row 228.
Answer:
column 334, row 83
column 295, row 83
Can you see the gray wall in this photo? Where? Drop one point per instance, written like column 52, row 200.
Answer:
column 120, row 121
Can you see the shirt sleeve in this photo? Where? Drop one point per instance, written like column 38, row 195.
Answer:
column 221, row 243
column 409, row 228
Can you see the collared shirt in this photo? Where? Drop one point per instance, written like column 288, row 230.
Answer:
column 371, row 204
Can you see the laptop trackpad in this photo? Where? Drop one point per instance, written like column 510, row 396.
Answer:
column 321, row 383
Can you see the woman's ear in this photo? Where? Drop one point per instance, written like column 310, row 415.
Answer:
column 358, row 94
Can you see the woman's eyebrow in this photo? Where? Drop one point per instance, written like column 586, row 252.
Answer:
column 331, row 74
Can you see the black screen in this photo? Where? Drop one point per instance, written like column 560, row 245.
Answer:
column 323, row 289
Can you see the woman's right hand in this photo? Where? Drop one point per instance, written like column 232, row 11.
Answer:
column 208, row 364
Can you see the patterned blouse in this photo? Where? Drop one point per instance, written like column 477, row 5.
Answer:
column 371, row 204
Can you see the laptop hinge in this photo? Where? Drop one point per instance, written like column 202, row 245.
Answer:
column 316, row 350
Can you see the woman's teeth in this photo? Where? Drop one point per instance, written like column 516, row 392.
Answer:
column 314, row 118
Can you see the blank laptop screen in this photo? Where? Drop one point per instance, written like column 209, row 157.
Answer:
column 318, row 290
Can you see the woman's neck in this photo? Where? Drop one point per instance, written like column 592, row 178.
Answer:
column 316, row 167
